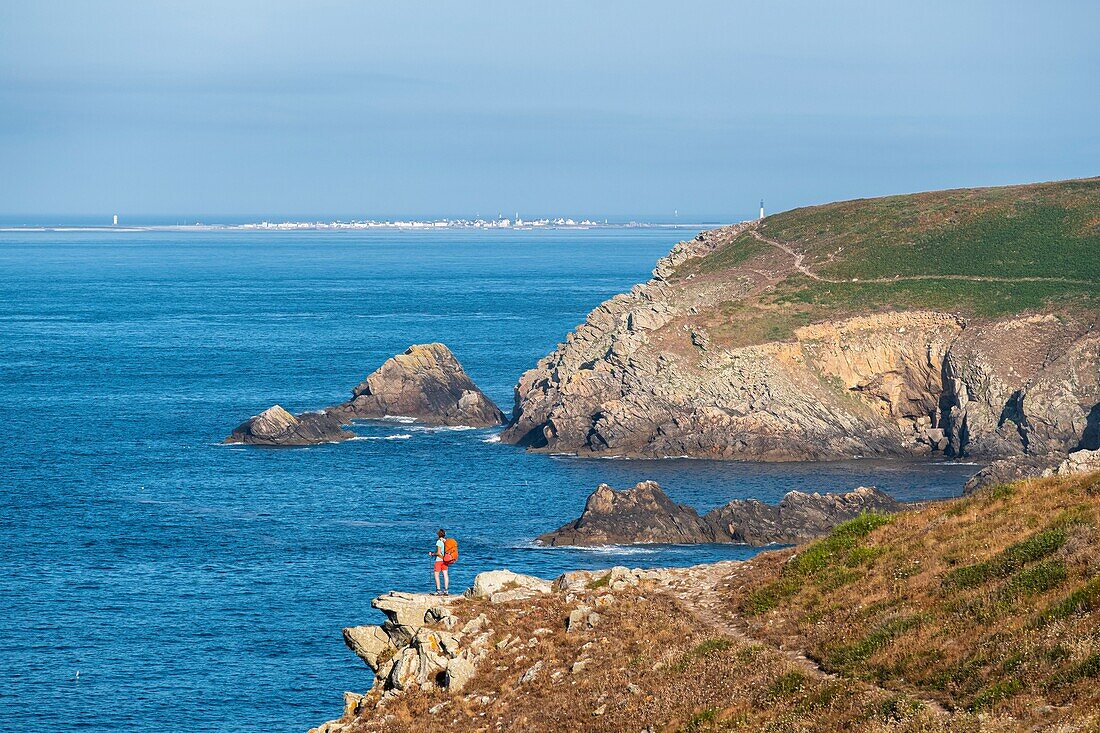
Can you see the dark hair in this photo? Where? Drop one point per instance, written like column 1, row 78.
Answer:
column 442, row 533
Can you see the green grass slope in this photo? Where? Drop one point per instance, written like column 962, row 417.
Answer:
column 982, row 252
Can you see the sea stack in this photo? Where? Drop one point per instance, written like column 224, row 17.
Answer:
column 426, row 383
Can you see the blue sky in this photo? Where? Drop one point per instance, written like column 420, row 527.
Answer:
column 589, row 108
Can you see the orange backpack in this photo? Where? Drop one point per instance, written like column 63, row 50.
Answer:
column 450, row 550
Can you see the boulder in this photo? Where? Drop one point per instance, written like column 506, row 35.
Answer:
column 277, row 427
column 459, row 672
column 498, row 582
column 426, row 383
column 1020, row 467
column 1082, row 461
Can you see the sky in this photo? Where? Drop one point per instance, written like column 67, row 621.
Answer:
column 657, row 111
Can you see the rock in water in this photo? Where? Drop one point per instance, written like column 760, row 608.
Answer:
column 798, row 517
column 426, row 383
column 645, row 514
column 276, row 426
column 638, row 515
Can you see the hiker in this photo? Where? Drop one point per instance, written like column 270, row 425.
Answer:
column 444, row 555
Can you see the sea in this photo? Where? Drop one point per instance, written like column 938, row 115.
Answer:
column 154, row 579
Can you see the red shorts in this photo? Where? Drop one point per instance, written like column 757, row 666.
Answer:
column 440, row 565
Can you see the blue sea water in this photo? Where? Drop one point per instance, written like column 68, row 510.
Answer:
column 200, row 587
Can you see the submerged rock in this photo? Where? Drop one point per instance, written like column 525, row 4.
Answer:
column 645, row 514
column 275, row 426
column 426, row 383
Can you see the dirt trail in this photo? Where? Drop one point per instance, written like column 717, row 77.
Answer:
column 800, row 257
column 698, row 589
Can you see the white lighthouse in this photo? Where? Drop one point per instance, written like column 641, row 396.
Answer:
column 761, row 208
column 116, row 220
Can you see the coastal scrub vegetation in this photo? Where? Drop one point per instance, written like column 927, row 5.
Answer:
column 982, row 253
column 985, row 603
column 975, row 614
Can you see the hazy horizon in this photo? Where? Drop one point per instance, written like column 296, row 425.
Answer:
column 337, row 110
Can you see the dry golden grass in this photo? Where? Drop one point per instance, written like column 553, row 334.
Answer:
column 651, row 667
column 977, row 614
column 987, row 603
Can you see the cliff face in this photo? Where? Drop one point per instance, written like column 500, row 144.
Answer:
column 740, row 348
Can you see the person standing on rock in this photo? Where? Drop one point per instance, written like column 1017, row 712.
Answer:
column 439, row 565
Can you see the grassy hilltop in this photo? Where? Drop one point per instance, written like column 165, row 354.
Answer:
column 981, row 252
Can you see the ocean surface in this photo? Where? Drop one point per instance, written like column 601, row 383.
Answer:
column 152, row 579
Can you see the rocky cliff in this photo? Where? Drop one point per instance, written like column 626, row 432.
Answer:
column 645, row 514
column 426, row 383
column 745, row 345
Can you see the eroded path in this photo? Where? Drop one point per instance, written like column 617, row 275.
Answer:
column 703, row 591
column 800, row 265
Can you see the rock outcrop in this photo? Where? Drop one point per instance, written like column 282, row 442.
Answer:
column 1006, row 470
column 645, row 514
column 277, row 427
column 647, row 375
column 798, row 517
column 425, row 383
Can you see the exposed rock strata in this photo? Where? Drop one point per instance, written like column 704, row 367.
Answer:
column 426, row 383
column 645, row 514
column 642, row 376
column 277, row 427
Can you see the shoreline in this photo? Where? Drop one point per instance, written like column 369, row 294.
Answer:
column 403, row 226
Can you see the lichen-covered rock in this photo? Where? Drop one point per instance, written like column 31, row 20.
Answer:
column 370, row 643
column 408, row 609
column 426, row 383
column 277, row 427
column 504, row 585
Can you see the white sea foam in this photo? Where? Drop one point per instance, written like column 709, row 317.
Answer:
column 395, row 436
column 399, row 418
column 495, row 438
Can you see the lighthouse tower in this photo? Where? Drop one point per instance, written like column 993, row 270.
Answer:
column 761, row 208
